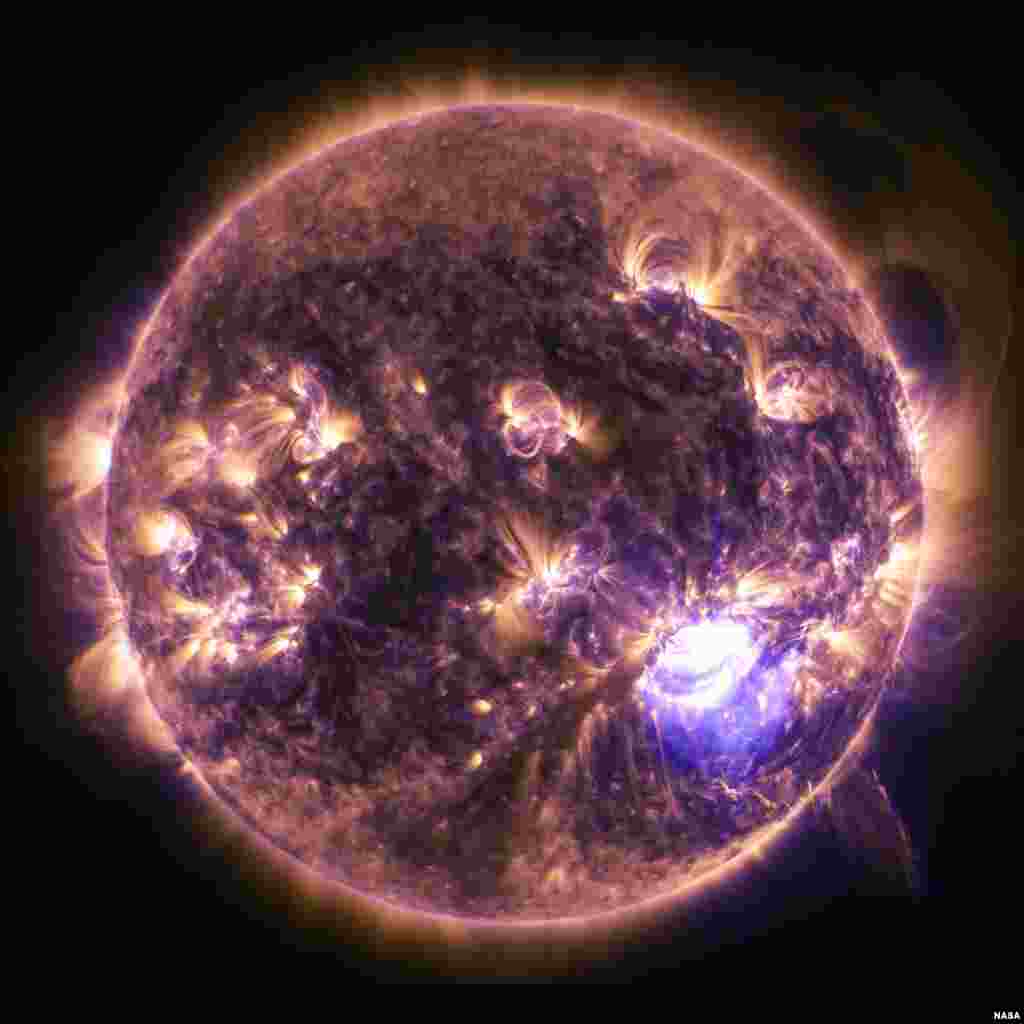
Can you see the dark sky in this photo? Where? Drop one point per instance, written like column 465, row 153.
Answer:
column 161, row 136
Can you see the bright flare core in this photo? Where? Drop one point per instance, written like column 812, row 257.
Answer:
column 701, row 663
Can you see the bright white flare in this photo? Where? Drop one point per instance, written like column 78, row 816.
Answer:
column 705, row 660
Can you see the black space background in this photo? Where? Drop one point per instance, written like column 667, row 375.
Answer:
column 138, row 145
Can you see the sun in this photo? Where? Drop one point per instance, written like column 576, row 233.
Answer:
column 714, row 657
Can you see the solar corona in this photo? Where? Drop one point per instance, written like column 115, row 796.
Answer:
column 508, row 521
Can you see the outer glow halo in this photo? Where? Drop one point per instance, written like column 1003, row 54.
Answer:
column 105, row 682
